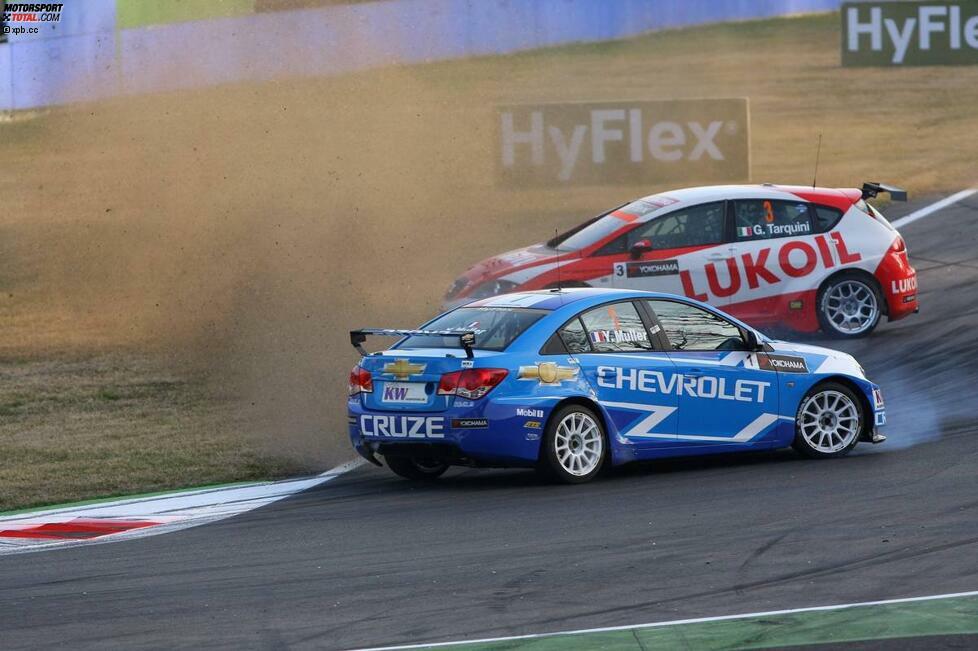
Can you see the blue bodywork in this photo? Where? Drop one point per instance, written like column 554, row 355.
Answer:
column 654, row 404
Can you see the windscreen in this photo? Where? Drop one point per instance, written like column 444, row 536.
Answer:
column 495, row 328
column 605, row 226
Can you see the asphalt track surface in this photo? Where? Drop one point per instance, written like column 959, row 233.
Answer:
column 369, row 559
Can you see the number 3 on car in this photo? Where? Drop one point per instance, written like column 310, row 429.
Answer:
column 572, row 381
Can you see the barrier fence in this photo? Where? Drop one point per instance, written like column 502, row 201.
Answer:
column 103, row 48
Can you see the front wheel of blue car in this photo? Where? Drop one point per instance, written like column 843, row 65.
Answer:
column 829, row 421
column 574, row 445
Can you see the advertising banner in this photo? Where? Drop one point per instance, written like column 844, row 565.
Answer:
column 910, row 33
column 623, row 143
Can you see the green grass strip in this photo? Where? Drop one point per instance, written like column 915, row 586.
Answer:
column 951, row 616
column 140, row 13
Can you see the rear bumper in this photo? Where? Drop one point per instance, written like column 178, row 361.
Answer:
column 898, row 280
column 901, row 306
column 479, row 433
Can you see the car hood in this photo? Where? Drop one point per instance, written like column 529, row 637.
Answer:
column 821, row 360
column 503, row 263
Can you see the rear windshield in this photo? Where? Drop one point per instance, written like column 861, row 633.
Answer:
column 495, row 328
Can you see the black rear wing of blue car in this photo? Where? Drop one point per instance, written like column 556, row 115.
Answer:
column 466, row 338
column 871, row 189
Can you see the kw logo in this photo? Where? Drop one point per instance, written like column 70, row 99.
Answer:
column 548, row 373
column 395, row 393
column 403, row 369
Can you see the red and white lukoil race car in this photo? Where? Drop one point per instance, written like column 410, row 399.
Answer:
column 801, row 257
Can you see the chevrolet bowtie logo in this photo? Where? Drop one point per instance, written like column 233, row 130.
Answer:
column 403, row 369
column 548, row 373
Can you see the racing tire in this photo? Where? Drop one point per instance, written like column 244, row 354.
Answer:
column 574, row 445
column 416, row 468
column 829, row 421
column 849, row 305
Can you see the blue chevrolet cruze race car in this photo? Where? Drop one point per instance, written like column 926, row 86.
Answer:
column 573, row 380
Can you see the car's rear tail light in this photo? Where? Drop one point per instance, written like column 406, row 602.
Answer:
column 360, row 381
column 472, row 383
column 900, row 251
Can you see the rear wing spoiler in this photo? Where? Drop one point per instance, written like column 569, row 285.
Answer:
column 871, row 189
column 357, row 337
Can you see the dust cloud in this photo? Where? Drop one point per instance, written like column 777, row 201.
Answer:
column 243, row 231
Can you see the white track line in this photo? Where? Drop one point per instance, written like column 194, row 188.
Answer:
column 934, row 207
column 678, row 622
column 173, row 511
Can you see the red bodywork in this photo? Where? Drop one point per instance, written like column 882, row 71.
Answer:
column 796, row 310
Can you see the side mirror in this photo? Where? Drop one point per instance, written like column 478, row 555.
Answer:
column 753, row 345
column 639, row 248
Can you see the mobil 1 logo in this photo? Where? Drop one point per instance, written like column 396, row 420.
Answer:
column 880, row 33
column 622, row 143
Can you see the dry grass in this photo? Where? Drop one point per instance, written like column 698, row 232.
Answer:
column 115, row 424
column 178, row 271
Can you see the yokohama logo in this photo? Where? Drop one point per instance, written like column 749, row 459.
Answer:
column 784, row 363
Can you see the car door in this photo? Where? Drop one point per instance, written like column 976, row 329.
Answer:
column 626, row 367
column 772, row 280
column 671, row 252
column 724, row 397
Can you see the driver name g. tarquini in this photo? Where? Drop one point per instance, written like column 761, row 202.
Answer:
column 572, row 380
column 801, row 257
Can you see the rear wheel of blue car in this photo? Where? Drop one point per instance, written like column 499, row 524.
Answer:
column 416, row 468
column 574, row 445
column 829, row 421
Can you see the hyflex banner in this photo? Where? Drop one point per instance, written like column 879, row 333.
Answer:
column 627, row 142
column 909, row 33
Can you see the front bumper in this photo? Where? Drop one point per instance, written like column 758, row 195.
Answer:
column 875, row 397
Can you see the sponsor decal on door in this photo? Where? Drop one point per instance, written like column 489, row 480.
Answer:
column 784, row 363
column 769, row 266
column 646, row 269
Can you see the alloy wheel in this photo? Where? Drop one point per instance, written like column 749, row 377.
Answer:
column 851, row 307
column 578, row 444
column 829, row 421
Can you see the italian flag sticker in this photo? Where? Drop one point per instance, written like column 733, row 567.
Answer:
column 744, row 231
